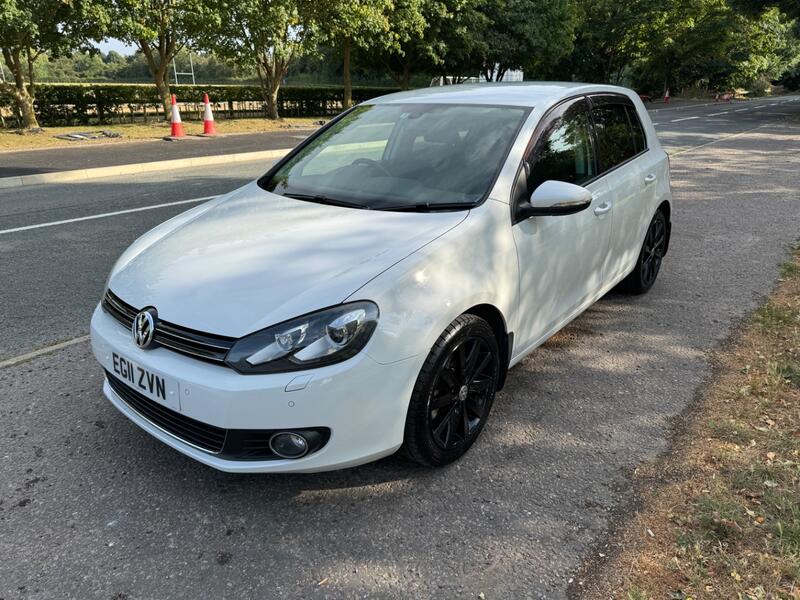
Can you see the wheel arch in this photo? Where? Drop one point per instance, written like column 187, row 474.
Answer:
column 492, row 315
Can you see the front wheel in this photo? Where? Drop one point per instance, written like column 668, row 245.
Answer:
column 644, row 274
column 453, row 394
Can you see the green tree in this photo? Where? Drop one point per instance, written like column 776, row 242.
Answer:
column 407, row 44
column 524, row 34
column 160, row 29
column 610, row 36
column 706, row 43
column 31, row 28
column 267, row 35
column 457, row 50
column 791, row 8
column 350, row 24
column 432, row 36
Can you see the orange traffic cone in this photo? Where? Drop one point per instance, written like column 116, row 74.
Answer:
column 666, row 96
column 177, row 124
column 208, row 118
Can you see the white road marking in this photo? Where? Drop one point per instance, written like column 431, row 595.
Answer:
column 722, row 139
column 683, row 119
column 718, row 114
column 762, row 106
column 741, row 109
column 10, row 362
column 104, row 215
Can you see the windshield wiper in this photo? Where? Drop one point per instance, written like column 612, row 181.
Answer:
column 320, row 199
column 428, row 206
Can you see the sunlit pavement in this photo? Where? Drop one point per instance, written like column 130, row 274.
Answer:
column 91, row 507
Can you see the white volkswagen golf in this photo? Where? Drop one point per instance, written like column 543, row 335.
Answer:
column 371, row 291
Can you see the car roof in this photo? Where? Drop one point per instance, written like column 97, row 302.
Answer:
column 526, row 93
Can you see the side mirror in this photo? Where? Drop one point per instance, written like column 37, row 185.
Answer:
column 555, row 198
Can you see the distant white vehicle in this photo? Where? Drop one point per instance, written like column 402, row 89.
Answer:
column 454, row 80
column 373, row 288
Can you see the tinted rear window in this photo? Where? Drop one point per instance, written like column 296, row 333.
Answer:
column 615, row 143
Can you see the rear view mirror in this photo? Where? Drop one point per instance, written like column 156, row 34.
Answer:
column 555, row 198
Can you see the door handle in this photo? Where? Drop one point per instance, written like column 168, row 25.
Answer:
column 650, row 178
column 602, row 209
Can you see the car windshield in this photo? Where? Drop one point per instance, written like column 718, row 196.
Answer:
column 403, row 157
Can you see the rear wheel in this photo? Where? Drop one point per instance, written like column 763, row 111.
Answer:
column 644, row 274
column 453, row 394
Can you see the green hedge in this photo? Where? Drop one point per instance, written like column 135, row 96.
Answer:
column 69, row 104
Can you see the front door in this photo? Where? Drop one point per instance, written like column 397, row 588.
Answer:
column 561, row 258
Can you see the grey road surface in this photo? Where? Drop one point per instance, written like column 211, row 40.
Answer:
column 91, row 507
column 68, row 158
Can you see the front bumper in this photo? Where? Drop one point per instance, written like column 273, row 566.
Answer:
column 363, row 403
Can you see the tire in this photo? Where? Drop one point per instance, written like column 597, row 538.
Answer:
column 644, row 274
column 453, row 394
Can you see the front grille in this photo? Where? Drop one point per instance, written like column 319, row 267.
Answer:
column 211, row 348
column 235, row 444
column 199, row 434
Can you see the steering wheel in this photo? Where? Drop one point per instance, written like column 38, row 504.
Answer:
column 368, row 162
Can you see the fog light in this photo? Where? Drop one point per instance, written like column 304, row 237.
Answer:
column 288, row 445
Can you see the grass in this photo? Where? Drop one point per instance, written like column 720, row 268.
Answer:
column 720, row 514
column 10, row 140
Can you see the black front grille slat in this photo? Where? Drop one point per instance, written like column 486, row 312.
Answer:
column 189, row 348
column 202, row 435
column 217, row 343
column 189, row 429
column 236, row 444
column 186, row 341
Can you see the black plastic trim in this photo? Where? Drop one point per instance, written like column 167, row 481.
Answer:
column 203, row 346
column 229, row 444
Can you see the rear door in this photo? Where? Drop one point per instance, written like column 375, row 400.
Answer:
column 560, row 257
column 627, row 167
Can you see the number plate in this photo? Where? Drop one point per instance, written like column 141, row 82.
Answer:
column 153, row 385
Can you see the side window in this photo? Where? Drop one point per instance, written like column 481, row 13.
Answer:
column 638, row 131
column 615, row 142
column 565, row 152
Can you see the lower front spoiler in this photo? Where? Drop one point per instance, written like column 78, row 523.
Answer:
column 323, row 460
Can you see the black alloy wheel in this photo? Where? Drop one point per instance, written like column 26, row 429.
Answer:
column 457, row 403
column 655, row 243
column 454, row 393
column 651, row 255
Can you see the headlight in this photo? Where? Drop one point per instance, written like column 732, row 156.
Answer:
column 321, row 338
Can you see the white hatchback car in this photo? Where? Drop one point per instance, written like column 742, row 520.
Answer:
column 371, row 291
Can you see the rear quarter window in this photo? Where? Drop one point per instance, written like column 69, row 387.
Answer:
column 639, row 139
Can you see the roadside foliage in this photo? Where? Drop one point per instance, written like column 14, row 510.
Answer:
column 721, row 513
column 700, row 46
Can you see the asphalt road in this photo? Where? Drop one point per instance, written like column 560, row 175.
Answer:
column 69, row 158
column 91, row 507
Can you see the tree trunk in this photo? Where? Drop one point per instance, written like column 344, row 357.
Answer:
column 405, row 81
column 21, row 91
column 348, row 84
column 162, row 85
column 271, row 97
column 270, row 72
column 25, row 103
column 160, row 70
